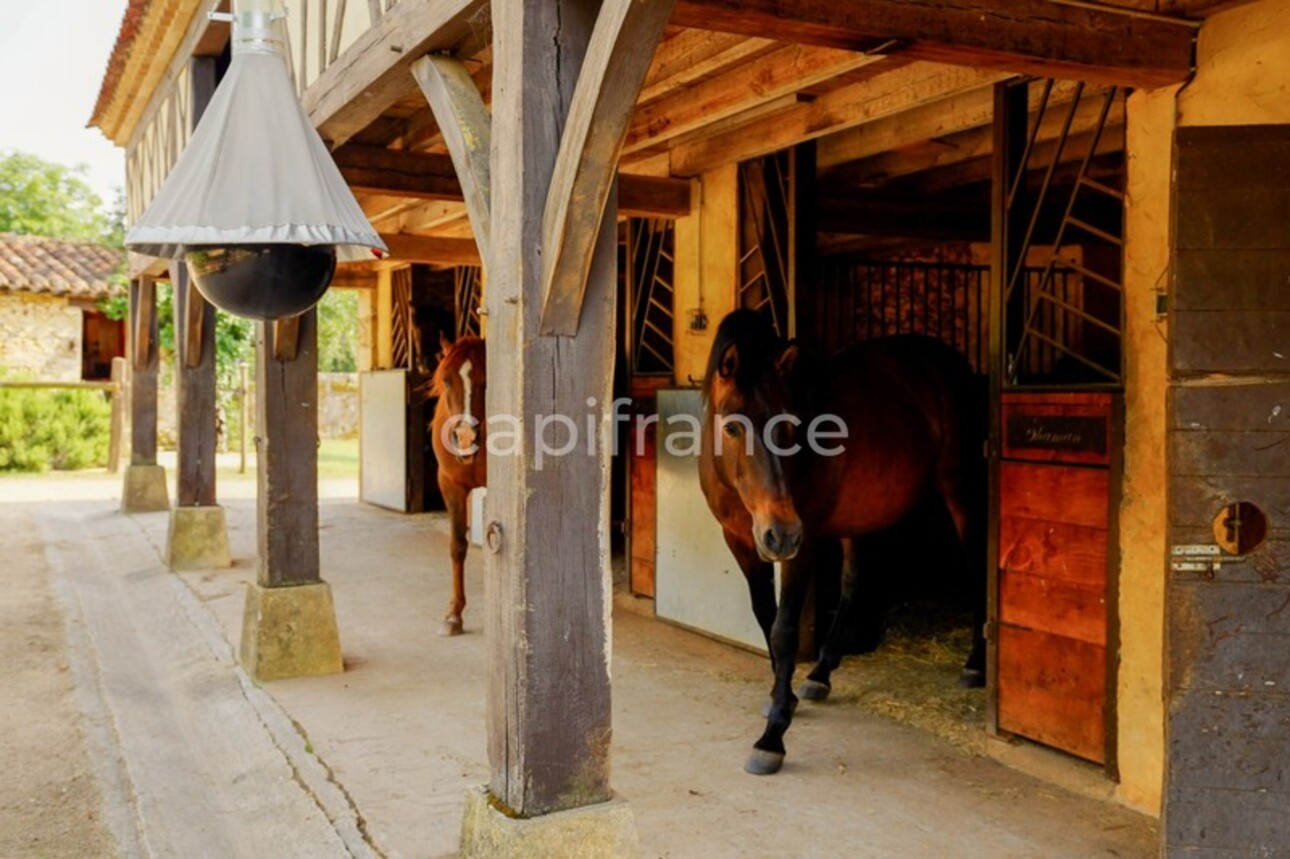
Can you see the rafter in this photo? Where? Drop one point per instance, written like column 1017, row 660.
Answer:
column 885, row 95
column 974, row 143
column 371, row 170
column 971, row 109
column 782, row 72
column 1064, row 40
column 435, row 250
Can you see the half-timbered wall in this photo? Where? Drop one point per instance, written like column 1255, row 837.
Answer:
column 157, row 144
column 321, row 30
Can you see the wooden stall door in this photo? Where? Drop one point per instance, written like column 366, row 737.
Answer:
column 1054, row 523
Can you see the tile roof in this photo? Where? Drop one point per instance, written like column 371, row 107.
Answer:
column 131, row 24
column 34, row 264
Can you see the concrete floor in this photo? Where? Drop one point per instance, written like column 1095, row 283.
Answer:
column 194, row 758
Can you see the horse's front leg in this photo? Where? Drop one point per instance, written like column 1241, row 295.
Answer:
column 760, row 576
column 455, row 496
column 817, row 685
column 768, row 752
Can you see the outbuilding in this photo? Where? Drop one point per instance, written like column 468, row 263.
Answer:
column 1090, row 200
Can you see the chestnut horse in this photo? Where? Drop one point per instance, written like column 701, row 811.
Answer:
column 457, row 431
column 903, row 402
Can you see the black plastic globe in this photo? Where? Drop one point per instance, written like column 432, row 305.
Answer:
column 264, row 282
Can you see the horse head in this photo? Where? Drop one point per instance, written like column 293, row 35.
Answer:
column 749, row 428
column 459, row 383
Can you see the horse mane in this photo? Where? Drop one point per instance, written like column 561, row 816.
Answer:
column 758, row 346
column 464, row 349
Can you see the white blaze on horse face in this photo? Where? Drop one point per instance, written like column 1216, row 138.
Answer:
column 467, row 389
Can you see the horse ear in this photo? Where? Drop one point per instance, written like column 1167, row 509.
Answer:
column 786, row 361
column 444, row 342
column 730, row 362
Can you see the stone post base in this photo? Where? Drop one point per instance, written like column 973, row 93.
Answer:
column 290, row 632
column 144, row 490
column 198, row 539
column 604, row 830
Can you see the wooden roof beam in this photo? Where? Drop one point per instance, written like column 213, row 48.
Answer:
column 417, row 175
column 1053, row 39
column 938, row 119
column 977, row 143
column 885, row 95
column 374, row 73
column 433, row 250
column 784, row 71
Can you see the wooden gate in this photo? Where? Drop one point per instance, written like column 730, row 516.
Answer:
column 1055, row 436
column 647, row 264
column 1058, row 479
column 1227, row 788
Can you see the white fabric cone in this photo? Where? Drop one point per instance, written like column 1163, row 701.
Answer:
column 255, row 172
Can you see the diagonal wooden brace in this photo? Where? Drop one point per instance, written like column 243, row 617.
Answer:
column 618, row 57
column 467, row 131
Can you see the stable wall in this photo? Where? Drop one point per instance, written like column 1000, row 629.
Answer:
column 1143, row 517
column 1242, row 78
column 40, row 338
column 707, row 257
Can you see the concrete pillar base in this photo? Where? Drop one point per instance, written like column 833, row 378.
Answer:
column 604, row 830
column 144, row 490
column 290, row 632
column 198, row 539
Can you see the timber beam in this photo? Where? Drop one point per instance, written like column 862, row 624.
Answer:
column 398, row 173
column 374, row 73
column 467, row 131
column 885, row 95
column 432, row 250
column 623, row 40
column 1080, row 42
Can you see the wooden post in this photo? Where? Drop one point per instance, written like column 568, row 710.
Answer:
column 144, row 487
column 287, row 456
column 198, row 536
column 289, row 626
column 547, row 605
column 145, row 360
column 1011, row 108
column 195, row 480
column 116, row 438
column 244, row 409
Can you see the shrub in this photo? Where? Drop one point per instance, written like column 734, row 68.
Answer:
column 64, row 430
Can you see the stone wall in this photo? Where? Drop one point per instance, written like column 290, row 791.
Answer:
column 337, row 405
column 40, row 338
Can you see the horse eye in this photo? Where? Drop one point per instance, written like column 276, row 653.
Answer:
column 731, row 428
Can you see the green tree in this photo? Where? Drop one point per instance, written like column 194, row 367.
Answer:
column 41, row 198
column 338, row 331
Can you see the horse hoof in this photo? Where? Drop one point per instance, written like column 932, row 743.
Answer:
column 814, row 690
column 971, row 678
column 451, row 627
column 764, row 763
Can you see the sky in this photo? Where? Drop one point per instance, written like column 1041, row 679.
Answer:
column 53, row 54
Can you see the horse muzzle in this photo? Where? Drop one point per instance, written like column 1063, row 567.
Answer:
column 779, row 541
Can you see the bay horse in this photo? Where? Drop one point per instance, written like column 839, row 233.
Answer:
column 457, row 434
column 905, row 405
